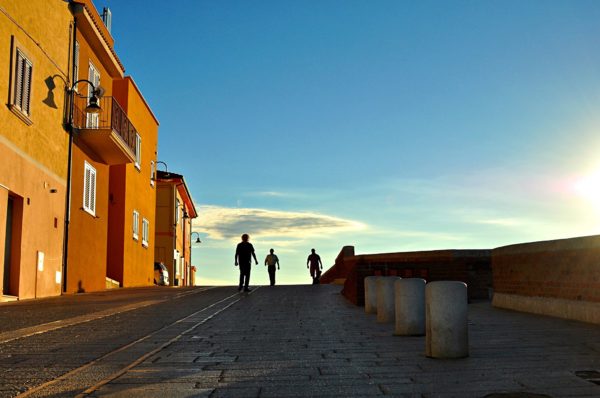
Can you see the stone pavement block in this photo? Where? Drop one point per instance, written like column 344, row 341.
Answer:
column 271, row 372
column 318, row 390
column 235, row 392
column 279, row 379
column 152, row 391
column 167, row 375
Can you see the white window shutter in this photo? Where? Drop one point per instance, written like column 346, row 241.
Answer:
column 86, row 189
column 27, row 69
column 93, row 192
column 89, row 189
column 18, row 79
column 76, row 64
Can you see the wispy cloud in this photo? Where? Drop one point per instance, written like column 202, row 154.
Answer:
column 501, row 222
column 226, row 223
column 271, row 194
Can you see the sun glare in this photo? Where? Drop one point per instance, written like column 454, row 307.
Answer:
column 588, row 187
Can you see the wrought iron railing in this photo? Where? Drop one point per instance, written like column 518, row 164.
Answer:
column 112, row 116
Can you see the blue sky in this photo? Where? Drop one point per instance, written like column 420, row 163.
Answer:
column 388, row 125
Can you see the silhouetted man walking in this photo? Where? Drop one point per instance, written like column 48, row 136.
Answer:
column 315, row 261
column 243, row 256
column 271, row 260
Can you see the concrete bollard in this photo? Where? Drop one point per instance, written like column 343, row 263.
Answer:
column 446, row 309
column 385, row 299
column 371, row 294
column 410, row 307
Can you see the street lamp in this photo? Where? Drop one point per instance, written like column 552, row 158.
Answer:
column 92, row 107
column 197, row 241
column 163, row 163
column 198, row 238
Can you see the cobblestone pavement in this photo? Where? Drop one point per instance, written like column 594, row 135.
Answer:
column 90, row 337
column 307, row 341
column 26, row 313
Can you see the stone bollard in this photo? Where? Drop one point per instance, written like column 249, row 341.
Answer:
column 371, row 294
column 410, row 307
column 385, row 298
column 447, row 334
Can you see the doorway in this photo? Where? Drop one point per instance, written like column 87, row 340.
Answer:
column 8, row 246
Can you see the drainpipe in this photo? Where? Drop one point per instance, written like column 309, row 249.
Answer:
column 69, row 166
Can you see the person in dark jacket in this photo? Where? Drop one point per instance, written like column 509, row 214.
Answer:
column 271, row 260
column 243, row 257
column 315, row 261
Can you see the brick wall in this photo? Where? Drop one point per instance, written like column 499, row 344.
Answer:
column 565, row 269
column 469, row 266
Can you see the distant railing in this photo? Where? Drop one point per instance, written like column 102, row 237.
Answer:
column 112, row 116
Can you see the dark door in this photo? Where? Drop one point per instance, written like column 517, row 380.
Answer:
column 7, row 247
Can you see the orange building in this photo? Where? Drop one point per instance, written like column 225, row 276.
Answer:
column 99, row 141
column 132, row 196
column 174, row 213
column 35, row 68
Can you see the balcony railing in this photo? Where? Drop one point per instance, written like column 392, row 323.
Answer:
column 112, row 117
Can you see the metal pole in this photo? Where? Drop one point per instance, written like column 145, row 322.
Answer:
column 69, row 166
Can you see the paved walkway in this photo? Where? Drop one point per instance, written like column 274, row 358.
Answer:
column 303, row 341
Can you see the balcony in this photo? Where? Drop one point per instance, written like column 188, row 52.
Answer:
column 109, row 134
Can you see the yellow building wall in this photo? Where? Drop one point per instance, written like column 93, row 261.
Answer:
column 34, row 155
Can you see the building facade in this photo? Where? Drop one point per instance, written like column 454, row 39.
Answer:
column 132, row 196
column 35, row 66
column 175, row 211
column 77, row 189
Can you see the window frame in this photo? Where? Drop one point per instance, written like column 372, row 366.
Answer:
column 76, row 65
column 138, row 151
column 145, row 231
column 92, row 120
column 89, row 188
column 136, row 225
column 16, row 104
column 152, row 172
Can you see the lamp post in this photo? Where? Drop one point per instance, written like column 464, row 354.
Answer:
column 197, row 241
column 92, row 107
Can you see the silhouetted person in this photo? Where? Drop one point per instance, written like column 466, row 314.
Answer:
column 243, row 256
column 315, row 261
column 271, row 260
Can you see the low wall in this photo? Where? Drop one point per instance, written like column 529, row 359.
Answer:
column 469, row 266
column 558, row 278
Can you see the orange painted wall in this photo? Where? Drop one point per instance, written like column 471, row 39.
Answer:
column 164, row 232
column 116, row 223
column 87, row 233
column 34, row 155
column 133, row 190
column 87, row 258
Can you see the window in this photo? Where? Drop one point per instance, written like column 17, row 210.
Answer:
column 76, row 64
column 152, row 172
column 21, row 85
column 93, row 119
column 89, row 189
column 136, row 224
column 176, row 211
column 145, row 231
column 138, row 151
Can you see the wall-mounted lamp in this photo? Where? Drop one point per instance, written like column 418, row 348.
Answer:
column 164, row 164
